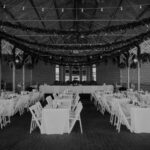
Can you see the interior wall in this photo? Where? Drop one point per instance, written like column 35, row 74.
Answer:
column 41, row 73
column 145, row 76
column 44, row 73
column 108, row 73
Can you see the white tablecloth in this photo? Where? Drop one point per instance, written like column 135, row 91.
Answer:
column 78, row 89
column 55, row 121
column 140, row 120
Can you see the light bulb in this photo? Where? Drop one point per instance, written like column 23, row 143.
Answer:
column 42, row 9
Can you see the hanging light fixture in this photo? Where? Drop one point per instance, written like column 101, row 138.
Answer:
column 135, row 60
column 17, row 60
column 121, row 8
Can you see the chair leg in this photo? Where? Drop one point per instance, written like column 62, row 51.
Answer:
column 80, row 125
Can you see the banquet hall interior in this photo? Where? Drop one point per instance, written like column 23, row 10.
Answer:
column 74, row 74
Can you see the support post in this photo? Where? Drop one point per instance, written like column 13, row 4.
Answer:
column 14, row 77
column 31, row 76
column 14, row 71
column 23, row 77
column 128, row 76
column 0, row 64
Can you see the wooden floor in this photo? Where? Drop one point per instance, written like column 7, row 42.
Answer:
column 98, row 135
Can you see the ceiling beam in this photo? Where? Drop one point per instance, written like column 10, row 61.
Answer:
column 58, row 15
column 15, row 19
column 147, row 8
column 94, row 13
column 39, row 17
column 114, row 13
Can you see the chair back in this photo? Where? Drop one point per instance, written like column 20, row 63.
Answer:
column 39, row 106
column 78, row 109
column 77, row 116
column 75, row 102
column 36, row 114
column 122, row 116
column 49, row 99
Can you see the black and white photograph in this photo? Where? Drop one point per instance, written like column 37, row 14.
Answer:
column 75, row 74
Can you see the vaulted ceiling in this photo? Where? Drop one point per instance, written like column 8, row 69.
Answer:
column 73, row 15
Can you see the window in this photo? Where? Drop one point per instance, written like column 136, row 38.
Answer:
column 84, row 73
column 57, row 73
column 67, row 73
column 75, row 73
column 94, row 72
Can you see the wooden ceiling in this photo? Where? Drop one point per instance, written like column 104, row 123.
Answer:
column 73, row 15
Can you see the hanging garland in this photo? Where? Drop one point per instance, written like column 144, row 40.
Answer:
column 113, row 28
column 105, row 47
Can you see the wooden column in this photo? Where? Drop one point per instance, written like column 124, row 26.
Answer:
column 139, row 67
column 61, row 73
column 0, row 64
column 70, row 73
column 31, row 76
column 23, row 77
column 14, row 71
column 14, row 77
column 128, row 69
column 64, row 73
column 139, row 76
column 80, row 73
column 89, row 73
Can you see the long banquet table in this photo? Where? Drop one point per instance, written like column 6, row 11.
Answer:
column 138, row 114
column 79, row 89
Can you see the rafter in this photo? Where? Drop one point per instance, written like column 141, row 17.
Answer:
column 143, row 12
column 58, row 15
column 15, row 19
column 94, row 12
column 136, row 18
column 39, row 17
column 114, row 13
column 132, row 6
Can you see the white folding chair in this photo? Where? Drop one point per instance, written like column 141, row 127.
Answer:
column 49, row 100
column 122, row 118
column 39, row 106
column 76, row 117
column 36, row 117
column 75, row 102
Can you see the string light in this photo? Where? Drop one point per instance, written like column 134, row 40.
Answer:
column 140, row 6
column 101, row 57
column 23, row 8
column 17, row 60
column 102, row 9
column 42, row 9
column 62, row 10
column 4, row 6
column 135, row 60
column 121, row 8
column 82, row 10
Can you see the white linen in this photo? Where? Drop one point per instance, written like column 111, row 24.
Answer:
column 76, row 89
column 55, row 121
column 140, row 121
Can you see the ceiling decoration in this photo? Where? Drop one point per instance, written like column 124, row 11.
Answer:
column 74, row 31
